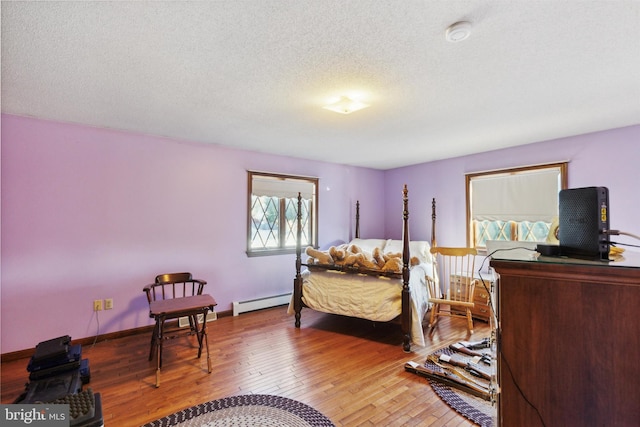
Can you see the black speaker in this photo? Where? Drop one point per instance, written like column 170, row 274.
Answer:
column 584, row 222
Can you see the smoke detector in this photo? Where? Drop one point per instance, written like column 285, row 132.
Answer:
column 458, row 31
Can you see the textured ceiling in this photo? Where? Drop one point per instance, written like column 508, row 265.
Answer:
column 254, row 74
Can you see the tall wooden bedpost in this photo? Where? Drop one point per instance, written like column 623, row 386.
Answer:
column 357, row 219
column 434, row 243
column 406, row 295
column 297, row 282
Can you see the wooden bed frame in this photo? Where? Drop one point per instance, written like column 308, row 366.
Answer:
column 405, row 315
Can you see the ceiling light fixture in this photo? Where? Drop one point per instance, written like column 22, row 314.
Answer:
column 458, row 31
column 346, row 105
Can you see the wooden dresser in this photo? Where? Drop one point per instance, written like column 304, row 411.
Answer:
column 568, row 342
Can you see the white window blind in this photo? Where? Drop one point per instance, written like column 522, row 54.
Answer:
column 524, row 196
column 282, row 187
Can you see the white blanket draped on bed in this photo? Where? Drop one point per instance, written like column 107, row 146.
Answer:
column 368, row 297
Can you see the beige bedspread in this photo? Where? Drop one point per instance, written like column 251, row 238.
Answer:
column 368, row 297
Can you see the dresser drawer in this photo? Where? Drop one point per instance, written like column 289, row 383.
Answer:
column 481, row 309
column 480, row 295
column 482, row 312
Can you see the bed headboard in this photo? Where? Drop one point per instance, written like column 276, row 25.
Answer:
column 357, row 219
column 434, row 243
column 433, row 221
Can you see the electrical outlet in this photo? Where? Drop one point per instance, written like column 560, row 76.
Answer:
column 108, row 303
column 97, row 305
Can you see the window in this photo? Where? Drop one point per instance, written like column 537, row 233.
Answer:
column 513, row 204
column 273, row 210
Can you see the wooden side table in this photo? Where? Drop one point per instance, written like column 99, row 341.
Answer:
column 481, row 309
column 190, row 306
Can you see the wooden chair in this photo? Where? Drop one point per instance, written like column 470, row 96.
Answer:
column 171, row 297
column 455, row 285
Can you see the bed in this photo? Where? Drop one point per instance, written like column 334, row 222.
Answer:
column 371, row 293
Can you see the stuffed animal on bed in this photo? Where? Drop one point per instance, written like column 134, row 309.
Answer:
column 318, row 257
column 378, row 257
column 338, row 254
column 394, row 264
column 362, row 260
column 354, row 256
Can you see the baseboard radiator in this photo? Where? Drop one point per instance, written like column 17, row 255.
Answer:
column 260, row 303
column 184, row 321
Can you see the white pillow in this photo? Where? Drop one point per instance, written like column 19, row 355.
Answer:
column 368, row 245
column 417, row 248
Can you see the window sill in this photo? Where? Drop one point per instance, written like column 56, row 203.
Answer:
column 270, row 252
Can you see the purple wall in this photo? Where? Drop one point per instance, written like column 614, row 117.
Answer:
column 609, row 158
column 92, row 214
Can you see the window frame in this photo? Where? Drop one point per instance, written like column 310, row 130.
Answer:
column 562, row 167
column 313, row 211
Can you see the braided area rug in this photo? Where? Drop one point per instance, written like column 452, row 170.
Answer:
column 469, row 406
column 249, row 410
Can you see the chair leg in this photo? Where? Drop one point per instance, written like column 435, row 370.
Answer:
column 469, row 321
column 195, row 330
column 203, row 340
column 202, row 334
column 153, row 341
column 206, row 344
column 193, row 325
column 434, row 315
column 159, row 340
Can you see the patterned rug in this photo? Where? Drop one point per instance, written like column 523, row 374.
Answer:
column 473, row 408
column 249, row 410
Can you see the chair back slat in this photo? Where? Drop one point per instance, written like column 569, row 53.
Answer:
column 456, row 283
column 456, row 267
column 174, row 285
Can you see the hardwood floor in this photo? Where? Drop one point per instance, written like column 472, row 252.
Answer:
column 349, row 369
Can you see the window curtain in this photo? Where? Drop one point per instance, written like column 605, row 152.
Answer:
column 281, row 187
column 525, row 196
